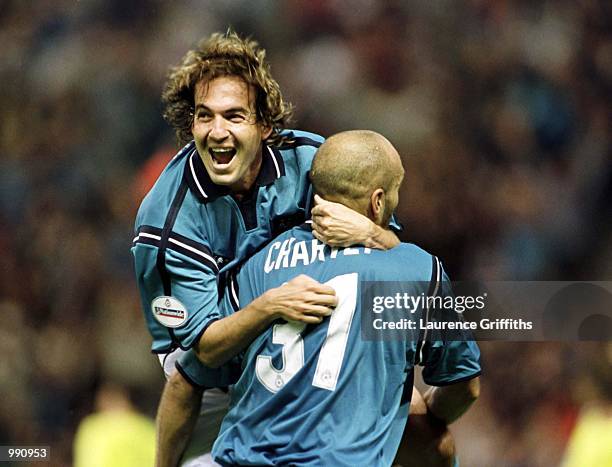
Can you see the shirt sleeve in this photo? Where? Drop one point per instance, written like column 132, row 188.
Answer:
column 190, row 366
column 451, row 355
column 178, row 288
column 199, row 375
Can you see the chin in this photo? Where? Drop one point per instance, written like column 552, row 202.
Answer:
column 223, row 179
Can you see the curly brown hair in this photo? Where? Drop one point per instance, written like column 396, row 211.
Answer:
column 224, row 55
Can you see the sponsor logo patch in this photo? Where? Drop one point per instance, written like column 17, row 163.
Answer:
column 169, row 311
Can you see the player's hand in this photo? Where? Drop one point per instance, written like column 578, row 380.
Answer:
column 301, row 299
column 427, row 441
column 337, row 225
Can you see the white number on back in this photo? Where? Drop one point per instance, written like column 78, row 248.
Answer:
column 332, row 351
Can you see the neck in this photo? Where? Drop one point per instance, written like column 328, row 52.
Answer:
column 356, row 204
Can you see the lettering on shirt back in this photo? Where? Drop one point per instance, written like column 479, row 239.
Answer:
column 289, row 253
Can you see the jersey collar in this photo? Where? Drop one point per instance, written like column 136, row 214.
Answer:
column 200, row 184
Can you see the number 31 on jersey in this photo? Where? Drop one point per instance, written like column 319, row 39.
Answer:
column 331, row 355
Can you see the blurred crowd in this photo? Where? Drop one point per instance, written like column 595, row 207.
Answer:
column 501, row 110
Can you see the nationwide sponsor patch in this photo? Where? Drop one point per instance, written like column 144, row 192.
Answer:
column 169, row 311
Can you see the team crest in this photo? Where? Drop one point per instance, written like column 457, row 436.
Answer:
column 169, row 311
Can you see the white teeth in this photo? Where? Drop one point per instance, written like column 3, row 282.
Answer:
column 222, row 155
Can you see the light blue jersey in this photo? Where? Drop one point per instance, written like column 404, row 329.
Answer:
column 318, row 395
column 189, row 232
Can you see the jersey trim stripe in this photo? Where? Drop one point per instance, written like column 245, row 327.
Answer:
column 301, row 141
column 195, row 178
column 278, row 172
column 150, row 235
column 184, row 149
column 458, row 380
column 235, row 302
column 165, row 236
column 207, row 259
column 188, row 378
column 279, row 166
column 434, row 285
column 163, row 243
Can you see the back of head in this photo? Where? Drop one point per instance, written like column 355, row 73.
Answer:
column 224, row 55
column 350, row 165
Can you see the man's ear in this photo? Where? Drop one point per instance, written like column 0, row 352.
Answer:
column 377, row 205
column 266, row 131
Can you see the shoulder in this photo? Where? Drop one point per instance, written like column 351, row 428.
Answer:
column 300, row 143
column 300, row 149
column 155, row 205
column 405, row 262
column 301, row 139
column 412, row 251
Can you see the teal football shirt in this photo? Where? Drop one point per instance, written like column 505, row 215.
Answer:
column 322, row 394
column 190, row 232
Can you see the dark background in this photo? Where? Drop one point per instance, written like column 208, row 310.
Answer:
column 499, row 108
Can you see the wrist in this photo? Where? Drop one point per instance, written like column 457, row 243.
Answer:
column 380, row 238
column 262, row 305
column 387, row 239
column 372, row 234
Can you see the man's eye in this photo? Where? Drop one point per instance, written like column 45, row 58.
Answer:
column 236, row 118
column 204, row 117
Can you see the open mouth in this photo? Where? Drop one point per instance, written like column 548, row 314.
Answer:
column 222, row 156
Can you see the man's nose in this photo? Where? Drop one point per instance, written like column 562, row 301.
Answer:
column 219, row 128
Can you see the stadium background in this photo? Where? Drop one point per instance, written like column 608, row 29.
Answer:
column 500, row 109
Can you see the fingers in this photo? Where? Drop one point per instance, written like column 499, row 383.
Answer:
column 313, row 315
column 309, row 319
column 311, row 285
column 314, row 292
column 306, row 300
column 322, row 232
column 320, row 201
column 315, row 309
column 322, row 289
column 322, row 207
column 323, row 299
column 317, row 236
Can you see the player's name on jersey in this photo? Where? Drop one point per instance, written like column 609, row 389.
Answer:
column 289, row 253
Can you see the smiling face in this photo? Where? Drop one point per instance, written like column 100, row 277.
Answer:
column 226, row 131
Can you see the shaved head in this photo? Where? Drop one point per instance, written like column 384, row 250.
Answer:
column 351, row 165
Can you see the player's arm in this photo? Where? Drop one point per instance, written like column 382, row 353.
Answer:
column 448, row 403
column 176, row 416
column 451, row 364
column 184, row 309
column 451, row 357
column 339, row 226
column 179, row 406
column 301, row 299
column 426, row 441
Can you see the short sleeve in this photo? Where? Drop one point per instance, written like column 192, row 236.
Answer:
column 191, row 367
column 448, row 356
column 199, row 375
column 178, row 289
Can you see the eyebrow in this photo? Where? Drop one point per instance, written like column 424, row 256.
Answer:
column 231, row 109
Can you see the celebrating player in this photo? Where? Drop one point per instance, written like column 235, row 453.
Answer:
column 321, row 394
column 239, row 181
